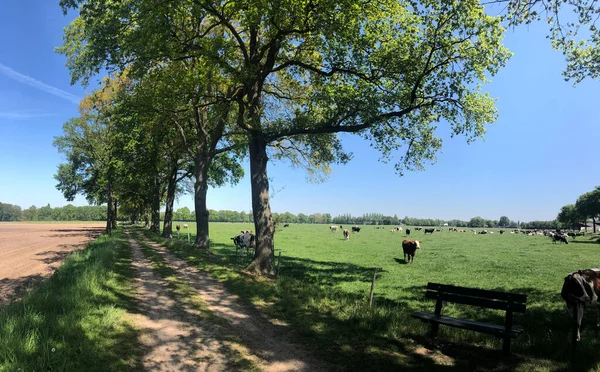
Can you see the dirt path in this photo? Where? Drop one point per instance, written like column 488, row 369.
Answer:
column 30, row 252
column 173, row 338
column 266, row 343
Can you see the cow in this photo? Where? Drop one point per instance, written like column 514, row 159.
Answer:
column 185, row 226
column 333, row 228
column 286, row 225
column 245, row 240
column 178, row 227
column 501, row 232
column 429, row 231
column 410, row 248
column 559, row 238
column 346, row 234
column 580, row 289
column 355, row 229
column 407, row 232
column 418, row 228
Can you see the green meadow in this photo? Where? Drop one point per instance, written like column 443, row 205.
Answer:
column 324, row 284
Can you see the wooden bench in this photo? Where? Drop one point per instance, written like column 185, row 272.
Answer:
column 509, row 302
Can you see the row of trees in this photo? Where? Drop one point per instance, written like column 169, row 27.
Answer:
column 9, row 212
column 69, row 212
column 586, row 207
column 195, row 87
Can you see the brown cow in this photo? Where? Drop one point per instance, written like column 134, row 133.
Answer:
column 580, row 289
column 410, row 248
column 346, row 234
column 178, row 227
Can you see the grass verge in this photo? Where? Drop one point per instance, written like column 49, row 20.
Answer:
column 74, row 320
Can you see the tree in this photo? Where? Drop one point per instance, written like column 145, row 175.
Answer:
column 385, row 70
column 582, row 54
column 31, row 213
column 477, row 222
column 504, row 221
column 183, row 214
column 588, row 206
column 569, row 216
column 90, row 163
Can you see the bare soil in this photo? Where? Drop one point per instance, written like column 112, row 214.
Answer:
column 30, row 252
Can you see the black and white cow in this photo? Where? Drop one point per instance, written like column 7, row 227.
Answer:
column 355, row 228
column 559, row 238
column 430, row 231
column 245, row 240
column 581, row 289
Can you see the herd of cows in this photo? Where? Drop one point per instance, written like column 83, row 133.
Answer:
column 580, row 289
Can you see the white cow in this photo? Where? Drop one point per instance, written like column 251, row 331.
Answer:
column 334, row 228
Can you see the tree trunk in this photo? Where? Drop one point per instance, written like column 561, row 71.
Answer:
column 168, row 224
column 109, row 209
column 113, row 220
column 200, row 190
column 155, row 212
column 264, row 257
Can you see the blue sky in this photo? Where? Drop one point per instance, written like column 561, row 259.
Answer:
column 539, row 155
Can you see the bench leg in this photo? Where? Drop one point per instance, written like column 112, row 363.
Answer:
column 506, row 346
column 434, row 330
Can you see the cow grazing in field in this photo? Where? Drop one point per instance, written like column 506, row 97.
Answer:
column 245, row 240
column 286, row 225
column 355, row 229
column 178, row 227
column 430, row 231
column 580, row 289
column 559, row 238
column 418, row 228
column 185, row 226
column 501, row 232
column 410, row 248
column 333, row 228
column 407, row 231
column 346, row 234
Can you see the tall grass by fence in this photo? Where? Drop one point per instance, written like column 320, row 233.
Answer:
column 74, row 320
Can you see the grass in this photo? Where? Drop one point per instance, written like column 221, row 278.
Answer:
column 324, row 284
column 74, row 320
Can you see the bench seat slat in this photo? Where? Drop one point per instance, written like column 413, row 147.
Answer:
column 474, row 301
column 476, row 292
column 467, row 324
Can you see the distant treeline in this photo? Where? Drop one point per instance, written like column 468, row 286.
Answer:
column 69, row 212
column 9, row 212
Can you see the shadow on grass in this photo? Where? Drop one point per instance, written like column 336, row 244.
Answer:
column 72, row 321
column 51, row 257
column 597, row 241
column 401, row 261
column 12, row 288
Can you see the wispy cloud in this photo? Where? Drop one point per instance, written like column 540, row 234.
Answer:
column 7, row 114
column 17, row 76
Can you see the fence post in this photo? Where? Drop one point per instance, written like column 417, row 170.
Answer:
column 188, row 237
column 278, row 262
column 372, row 288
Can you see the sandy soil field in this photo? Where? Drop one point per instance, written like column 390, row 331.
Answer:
column 30, row 252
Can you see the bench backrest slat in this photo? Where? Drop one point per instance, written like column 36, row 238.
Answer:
column 476, row 292
column 477, row 297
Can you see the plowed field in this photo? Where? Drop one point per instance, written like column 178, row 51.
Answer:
column 31, row 252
